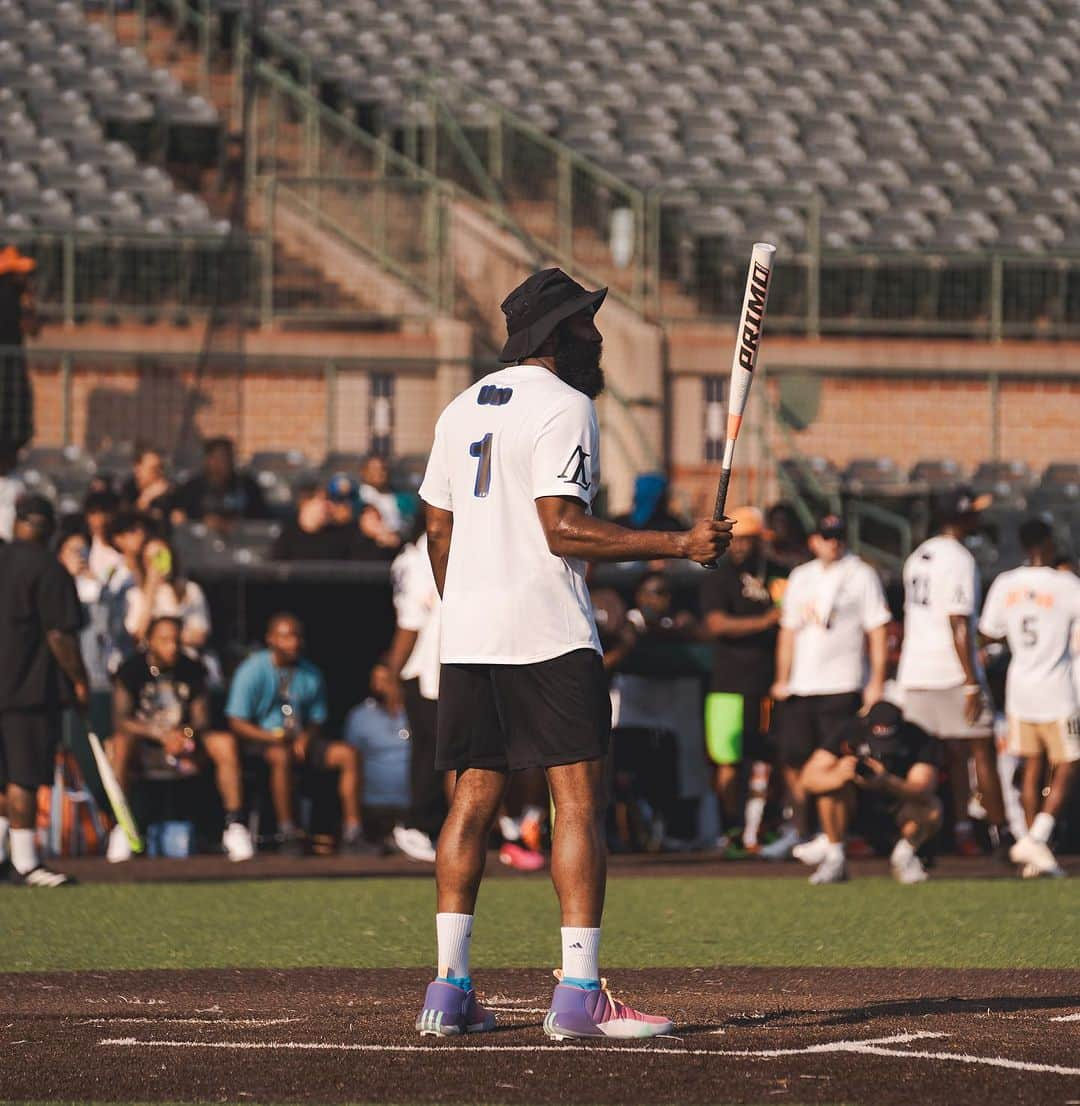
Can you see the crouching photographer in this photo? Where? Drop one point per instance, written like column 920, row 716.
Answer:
column 879, row 772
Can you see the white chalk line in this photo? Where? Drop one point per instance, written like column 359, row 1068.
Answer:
column 332, row 1046
column 875, row 1046
column 1066, row 1018
column 255, row 1022
column 964, row 1058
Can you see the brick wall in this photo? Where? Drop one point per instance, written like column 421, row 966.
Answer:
column 259, row 410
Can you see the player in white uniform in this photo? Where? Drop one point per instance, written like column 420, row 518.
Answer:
column 832, row 622
column 512, row 474
column 941, row 684
column 413, row 662
column 1037, row 610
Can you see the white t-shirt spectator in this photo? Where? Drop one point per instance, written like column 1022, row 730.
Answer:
column 385, row 503
column 11, row 487
column 191, row 607
column 1036, row 610
column 104, row 559
column 940, row 580
column 831, row 608
column 417, row 604
column 517, row 435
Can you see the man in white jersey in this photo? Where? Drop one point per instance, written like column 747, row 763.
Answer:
column 941, row 684
column 413, row 662
column 833, row 615
column 1037, row 609
column 512, row 474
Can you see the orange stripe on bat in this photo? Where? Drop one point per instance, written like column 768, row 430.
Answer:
column 733, row 424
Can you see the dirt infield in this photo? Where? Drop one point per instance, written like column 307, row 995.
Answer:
column 96, row 869
column 742, row 1035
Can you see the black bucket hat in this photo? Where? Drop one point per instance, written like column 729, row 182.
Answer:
column 537, row 306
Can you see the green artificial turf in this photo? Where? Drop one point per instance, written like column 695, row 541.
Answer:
column 648, row 923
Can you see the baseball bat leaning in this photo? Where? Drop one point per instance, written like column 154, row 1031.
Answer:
column 117, row 801
column 747, row 344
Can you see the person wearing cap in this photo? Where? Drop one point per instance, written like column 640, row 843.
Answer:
column 315, row 534
column 832, row 622
column 939, row 674
column 1036, row 609
column 880, row 770
column 740, row 608
column 513, row 472
column 42, row 672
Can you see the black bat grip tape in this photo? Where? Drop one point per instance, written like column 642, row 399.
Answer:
column 721, row 502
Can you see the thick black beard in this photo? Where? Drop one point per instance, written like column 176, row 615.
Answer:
column 577, row 362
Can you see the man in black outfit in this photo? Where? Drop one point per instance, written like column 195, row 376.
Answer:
column 740, row 613
column 42, row 671
column 219, row 494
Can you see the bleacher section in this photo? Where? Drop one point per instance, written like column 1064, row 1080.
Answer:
column 79, row 116
column 920, row 126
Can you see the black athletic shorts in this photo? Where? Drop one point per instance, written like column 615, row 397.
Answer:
column 28, row 740
column 804, row 723
column 513, row 716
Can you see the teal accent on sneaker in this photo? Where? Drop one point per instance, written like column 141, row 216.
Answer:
column 464, row 981
column 584, row 984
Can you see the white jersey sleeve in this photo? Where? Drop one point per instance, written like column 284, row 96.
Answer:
column 875, row 611
column 411, row 588
column 435, row 488
column 566, row 453
column 992, row 623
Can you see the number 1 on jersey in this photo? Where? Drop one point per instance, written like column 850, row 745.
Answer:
column 481, row 450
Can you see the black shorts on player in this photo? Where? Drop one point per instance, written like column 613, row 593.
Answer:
column 507, row 717
column 804, row 723
column 28, row 741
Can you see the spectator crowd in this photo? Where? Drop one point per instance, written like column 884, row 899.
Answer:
column 773, row 707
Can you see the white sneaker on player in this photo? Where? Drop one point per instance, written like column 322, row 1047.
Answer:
column 812, row 852
column 119, row 847
column 833, row 869
column 1028, row 851
column 909, row 870
column 236, row 840
column 780, row 849
column 415, row 844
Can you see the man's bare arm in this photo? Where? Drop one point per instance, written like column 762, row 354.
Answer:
column 64, row 646
column 721, row 624
column 440, row 527
column 248, row 731
column 572, row 532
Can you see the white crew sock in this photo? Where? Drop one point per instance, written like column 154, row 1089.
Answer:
column 5, row 825
column 581, row 953
column 902, row 853
column 454, row 933
column 24, row 854
column 834, row 850
column 1042, row 827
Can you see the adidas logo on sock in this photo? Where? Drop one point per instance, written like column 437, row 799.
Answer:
column 576, row 945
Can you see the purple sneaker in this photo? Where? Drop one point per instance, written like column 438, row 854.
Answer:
column 450, row 1010
column 577, row 1012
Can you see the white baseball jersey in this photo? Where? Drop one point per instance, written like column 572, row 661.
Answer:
column 516, row 436
column 940, row 580
column 1036, row 610
column 417, row 605
column 831, row 608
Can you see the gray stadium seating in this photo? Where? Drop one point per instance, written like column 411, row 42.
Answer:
column 935, row 125
column 78, row 115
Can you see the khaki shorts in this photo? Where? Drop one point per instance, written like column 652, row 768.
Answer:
column 1060, row 740
column 940, row 711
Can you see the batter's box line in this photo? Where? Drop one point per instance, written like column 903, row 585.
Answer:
column 257, row 1023
column 874, row 1046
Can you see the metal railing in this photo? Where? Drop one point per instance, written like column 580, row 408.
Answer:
column 97, row 276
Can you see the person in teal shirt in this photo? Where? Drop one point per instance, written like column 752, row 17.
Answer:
column 277, row 706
